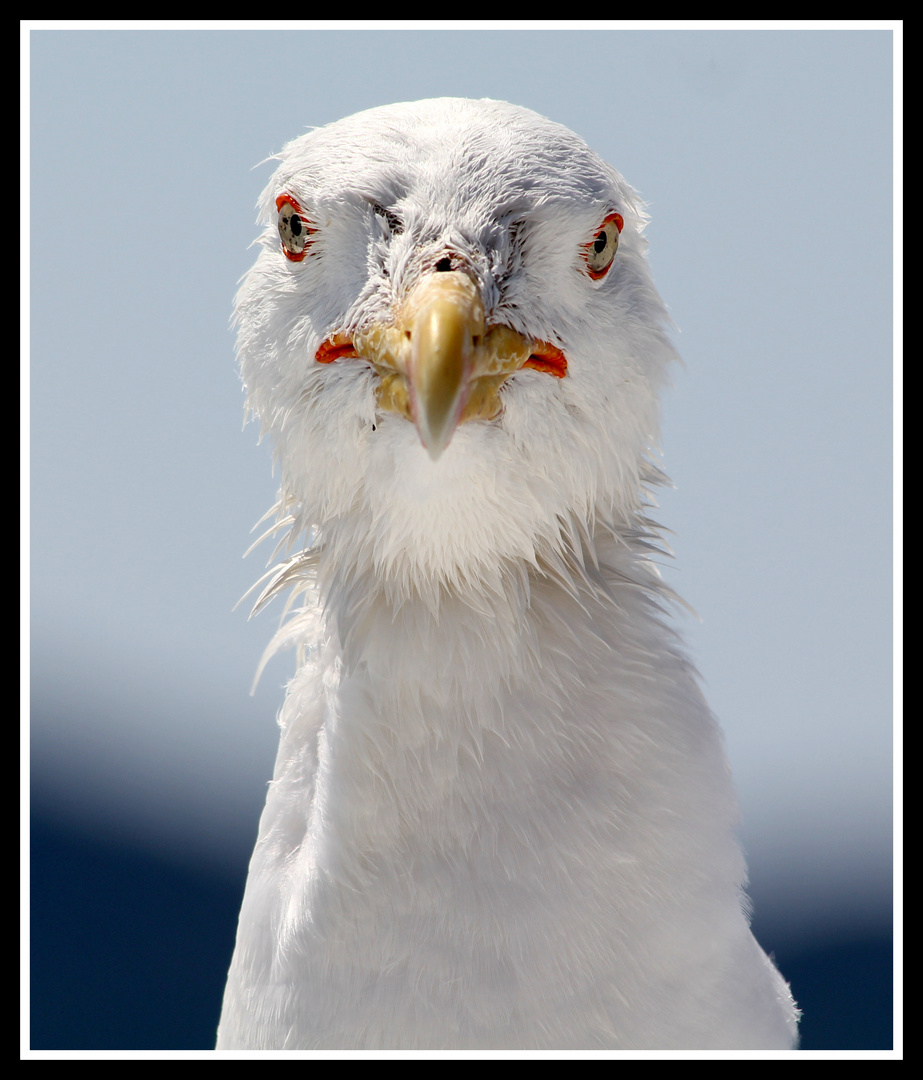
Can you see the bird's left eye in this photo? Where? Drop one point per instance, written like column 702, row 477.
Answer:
column 600, row 251
column 295, row 230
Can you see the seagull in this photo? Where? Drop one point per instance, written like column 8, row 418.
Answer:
column 501, row 816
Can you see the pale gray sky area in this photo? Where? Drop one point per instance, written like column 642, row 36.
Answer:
column 766, row 159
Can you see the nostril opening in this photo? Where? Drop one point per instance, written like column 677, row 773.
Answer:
column 444, row 264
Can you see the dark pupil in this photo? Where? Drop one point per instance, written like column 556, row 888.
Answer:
column 599, row 243
column 295, row 225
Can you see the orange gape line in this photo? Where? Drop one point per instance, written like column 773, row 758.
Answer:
column 335, row 348
column 547, row 357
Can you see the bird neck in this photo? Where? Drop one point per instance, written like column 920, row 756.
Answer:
column 459, row 640
column 427, row 719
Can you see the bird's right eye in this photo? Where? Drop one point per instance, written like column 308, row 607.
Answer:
column 295, row 230
column 600, row 251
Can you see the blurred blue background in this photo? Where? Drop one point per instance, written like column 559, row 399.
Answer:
column 766, row 160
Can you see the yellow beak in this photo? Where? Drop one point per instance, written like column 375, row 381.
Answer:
column 443, row 322
column 439, row 364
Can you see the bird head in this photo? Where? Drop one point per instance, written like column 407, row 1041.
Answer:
column 452, row 337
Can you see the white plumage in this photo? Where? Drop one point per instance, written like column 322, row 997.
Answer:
column 501, row 816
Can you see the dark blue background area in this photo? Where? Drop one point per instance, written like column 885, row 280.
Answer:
column 130, row 949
